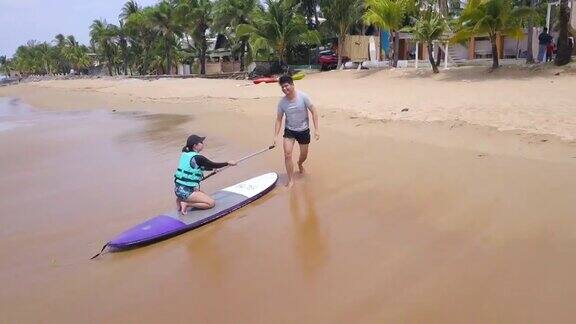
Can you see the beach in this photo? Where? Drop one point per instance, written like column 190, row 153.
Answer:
column 438, row 199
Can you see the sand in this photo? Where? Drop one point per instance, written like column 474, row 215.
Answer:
column 458, row 210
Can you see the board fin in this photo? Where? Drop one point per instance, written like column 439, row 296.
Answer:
column 101, row 251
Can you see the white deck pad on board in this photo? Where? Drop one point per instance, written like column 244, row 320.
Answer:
column 254, row 186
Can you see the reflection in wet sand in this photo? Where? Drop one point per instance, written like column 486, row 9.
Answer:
column 206, row 255
column 310, row 238
column 164, row 129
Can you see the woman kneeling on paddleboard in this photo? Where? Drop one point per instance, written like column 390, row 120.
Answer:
column 189, row 174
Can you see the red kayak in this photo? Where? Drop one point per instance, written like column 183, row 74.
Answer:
column 265, row 80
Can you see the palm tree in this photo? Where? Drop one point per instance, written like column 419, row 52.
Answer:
column 103, row 38
column 196, row 17
column 492, row 17
column 388, row 14
column 163, row 21
column 310, row 10
column 230, row 14
column 5, row 65
column 427, row 29
column 71, row 41
column 130, row 7
column 35, row 58
column 275, row 27
column 119, row 33
column 127, row 34
column 140, row 37
column 340, row 15
column 564, row 53
column 77, row 56
column 61, row 42
column 46, row 55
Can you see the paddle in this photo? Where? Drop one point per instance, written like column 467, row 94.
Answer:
column 240, row 160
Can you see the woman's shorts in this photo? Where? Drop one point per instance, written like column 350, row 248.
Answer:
column 302, row 137
column 183, row 192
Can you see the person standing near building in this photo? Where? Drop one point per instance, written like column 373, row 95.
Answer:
column 544, row 39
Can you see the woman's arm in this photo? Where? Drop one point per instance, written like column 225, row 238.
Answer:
column 208, row 165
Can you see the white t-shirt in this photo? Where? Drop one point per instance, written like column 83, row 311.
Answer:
column 296, row 111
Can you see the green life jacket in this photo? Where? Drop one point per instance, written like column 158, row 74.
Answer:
column 186, row 174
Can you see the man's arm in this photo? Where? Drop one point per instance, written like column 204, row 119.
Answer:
column 315, row 121
column 278, row 124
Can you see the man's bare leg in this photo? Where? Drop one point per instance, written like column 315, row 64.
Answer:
column 288, row 147
column 302, row 158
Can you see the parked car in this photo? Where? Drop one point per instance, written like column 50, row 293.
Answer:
column 328, row 60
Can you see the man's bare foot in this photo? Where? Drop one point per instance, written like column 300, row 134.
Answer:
column 289, row 184
column 183, row 208
column 301, row 168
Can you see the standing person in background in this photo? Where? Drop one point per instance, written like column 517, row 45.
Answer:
column 543, row 40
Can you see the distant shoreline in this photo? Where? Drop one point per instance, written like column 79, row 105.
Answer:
column 529, row 100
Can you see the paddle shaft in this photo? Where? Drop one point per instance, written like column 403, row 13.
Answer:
column 240, row 160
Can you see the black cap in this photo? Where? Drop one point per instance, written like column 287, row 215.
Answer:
column 194, row 139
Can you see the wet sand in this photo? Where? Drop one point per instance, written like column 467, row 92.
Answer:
column 396, row 221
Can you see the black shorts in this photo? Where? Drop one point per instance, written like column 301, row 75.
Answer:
column 302, row 137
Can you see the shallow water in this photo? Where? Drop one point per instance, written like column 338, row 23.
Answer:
column 402, row 232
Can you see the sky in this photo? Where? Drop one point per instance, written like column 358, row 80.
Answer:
column 41, row 20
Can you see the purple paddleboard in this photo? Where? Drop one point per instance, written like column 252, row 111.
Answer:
column 171, row 224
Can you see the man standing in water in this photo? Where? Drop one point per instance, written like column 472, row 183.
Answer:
column 295, row 106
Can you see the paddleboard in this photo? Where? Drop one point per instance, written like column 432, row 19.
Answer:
column 372, row 49
column 171, row 224
column 298, row 76
column 265, row 80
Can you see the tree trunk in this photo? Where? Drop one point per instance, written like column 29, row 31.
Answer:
column 443, row 6
column 396, row 48
column 168, row 59
column 339, row 66
column 110, row 62
column 439, row 55
column 530, row 54
column 242, row 52
column 564, row 52
column 310, row 14
column 493, row 40
column 316, row 22
column 431, row 57
column 203, row 55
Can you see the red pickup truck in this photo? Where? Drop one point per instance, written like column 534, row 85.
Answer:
column 329, row 60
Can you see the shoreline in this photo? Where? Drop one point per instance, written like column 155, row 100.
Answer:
column 444, row 133
column 539, row 103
